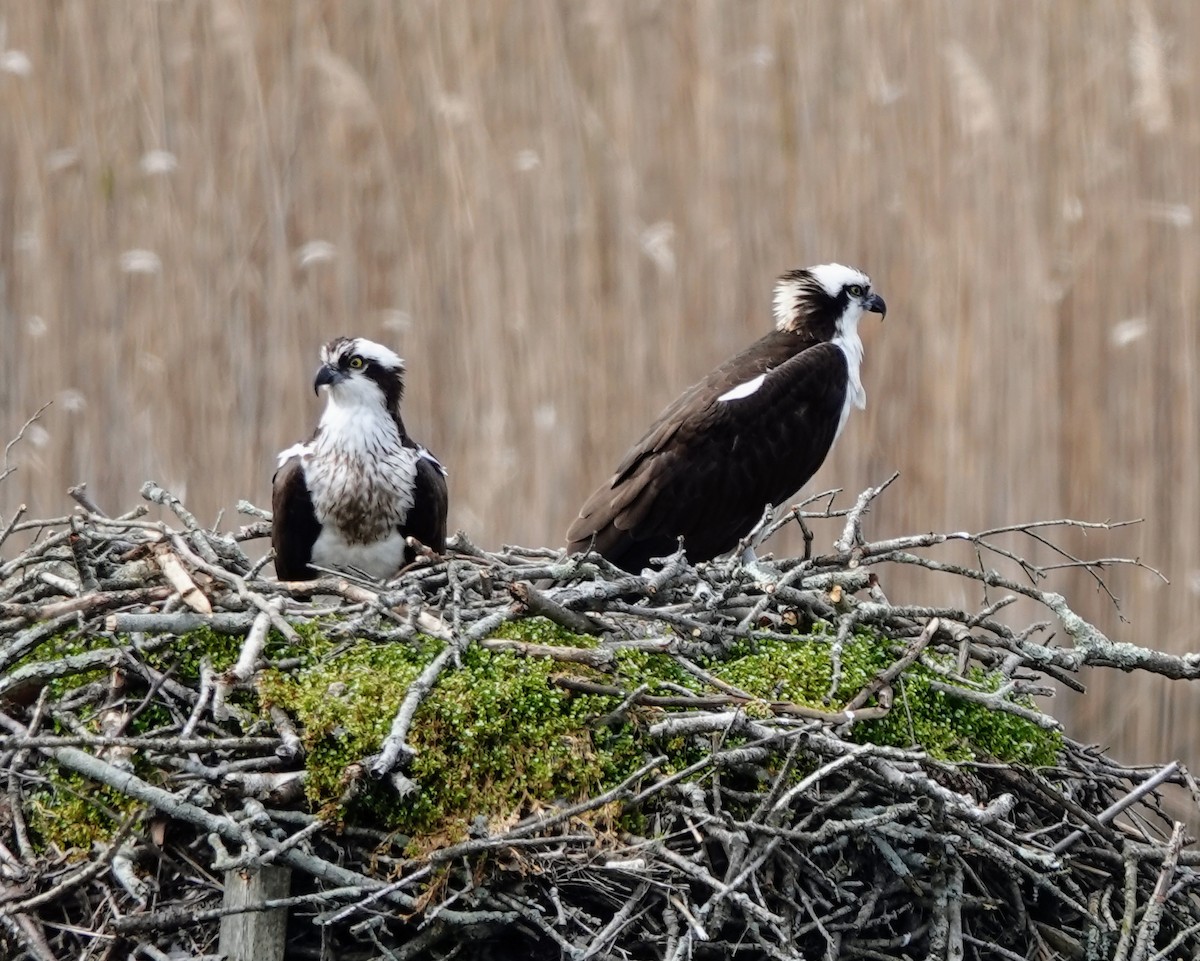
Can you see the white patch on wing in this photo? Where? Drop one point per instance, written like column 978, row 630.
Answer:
column 744, row 390
column 424, row 454
column 380, row 559
column 296, row 450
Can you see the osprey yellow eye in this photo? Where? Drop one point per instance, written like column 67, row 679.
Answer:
column 855, row 290
column 356, row 362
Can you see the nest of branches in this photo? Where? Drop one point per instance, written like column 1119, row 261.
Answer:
column 741, row 818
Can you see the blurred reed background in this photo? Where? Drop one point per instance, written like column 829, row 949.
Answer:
column 563, row 213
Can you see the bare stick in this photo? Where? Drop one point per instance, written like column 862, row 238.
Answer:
column 79, row 494
column 7, row 467
column 538, row 604
column 11, row 525
column 887, row 676
column 597, row 657
column 1116, row 808
column 248, row 658
column 1152, row 917
column 395, row 746
column 852, row 532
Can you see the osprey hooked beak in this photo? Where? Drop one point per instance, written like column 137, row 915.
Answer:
column 327, row 375
column 875, row 305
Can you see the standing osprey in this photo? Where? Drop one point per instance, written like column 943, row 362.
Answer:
column 750, row 434
column 351, row 495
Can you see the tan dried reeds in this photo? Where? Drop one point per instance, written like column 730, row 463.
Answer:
column 562, row 214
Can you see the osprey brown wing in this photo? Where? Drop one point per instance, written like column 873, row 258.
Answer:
column 767, row 353
column 295, row 528
column 427, row 519
column 708, row 467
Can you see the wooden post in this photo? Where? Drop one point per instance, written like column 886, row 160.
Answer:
column 255, row 935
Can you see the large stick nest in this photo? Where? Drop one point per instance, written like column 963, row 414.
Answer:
column 741, row 821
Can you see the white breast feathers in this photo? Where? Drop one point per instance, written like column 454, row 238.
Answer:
column 848, row 342
column 359, row 474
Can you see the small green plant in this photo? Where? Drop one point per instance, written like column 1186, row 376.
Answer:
column 70, row 813
column 946, row 727
column 497, row 738
column 494, row 738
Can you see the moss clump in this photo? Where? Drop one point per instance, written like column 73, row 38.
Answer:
column 539, row 630
column 345, row 704
column 181, row 659
column 183, row 655
column 72, row 814
column 946, row 727
column 494, row 737
column 499, row 739
column 655, row 671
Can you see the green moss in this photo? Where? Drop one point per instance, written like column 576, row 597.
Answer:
column 186, row 652
column 72, row 814
column 182, row 658
column 539, row 630
column 655, row 671
column 498, row 738
column 946, row 727
column 345, row 705
column 494, row 737
column 61, row 646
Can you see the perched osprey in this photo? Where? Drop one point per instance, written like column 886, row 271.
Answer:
column 750, row 434
column 351, row 495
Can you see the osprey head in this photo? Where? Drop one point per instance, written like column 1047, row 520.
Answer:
column 360, row 372
column 828, row 299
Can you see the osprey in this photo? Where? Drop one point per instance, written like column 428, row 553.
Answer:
column 351, row 496
column 747, row 436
